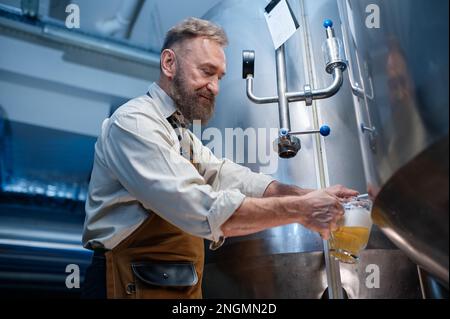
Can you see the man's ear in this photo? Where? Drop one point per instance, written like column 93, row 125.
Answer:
column 168, row 63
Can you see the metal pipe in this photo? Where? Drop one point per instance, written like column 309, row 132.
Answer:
column 330, row 33
column 258, row 100
column 331, row 266
column 30, row 8
column 357, row 90
column 127, row 11
column 305, row 132
column 123, row 21
column 283, row 103
column 338, row 80
column 57, row 32
column 99, row 45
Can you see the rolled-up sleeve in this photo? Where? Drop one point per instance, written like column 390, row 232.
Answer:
column 141, row 156
column 224, row 174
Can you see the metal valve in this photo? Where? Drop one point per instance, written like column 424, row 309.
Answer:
column 287, row 145
column 333, row 50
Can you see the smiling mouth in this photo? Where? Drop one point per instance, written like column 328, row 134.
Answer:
column 206, row 98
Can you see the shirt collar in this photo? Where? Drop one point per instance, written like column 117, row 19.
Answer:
column 165, row 103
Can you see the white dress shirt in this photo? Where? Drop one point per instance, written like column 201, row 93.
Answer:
column 138, row 171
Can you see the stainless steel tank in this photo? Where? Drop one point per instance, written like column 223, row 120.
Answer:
column 399, row 71
column 288, row 262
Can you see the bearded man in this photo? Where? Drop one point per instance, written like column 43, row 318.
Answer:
column 156, row 193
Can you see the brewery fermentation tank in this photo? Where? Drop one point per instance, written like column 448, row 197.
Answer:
column 399, row 74
column 288, row 261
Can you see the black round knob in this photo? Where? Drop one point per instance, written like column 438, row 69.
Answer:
column 248, row 63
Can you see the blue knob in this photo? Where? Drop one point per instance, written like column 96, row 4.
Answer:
column 325, row 130
column 328, row 23
column 284, row 132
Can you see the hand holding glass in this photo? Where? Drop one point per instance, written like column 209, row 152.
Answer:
column 352, row 236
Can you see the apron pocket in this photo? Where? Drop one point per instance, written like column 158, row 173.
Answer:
column 166, row 274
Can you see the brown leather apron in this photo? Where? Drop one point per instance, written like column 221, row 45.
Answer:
column 158, row 260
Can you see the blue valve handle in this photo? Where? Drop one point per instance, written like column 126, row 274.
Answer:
column 325, row 130
column 284, row 132
column 328, row 23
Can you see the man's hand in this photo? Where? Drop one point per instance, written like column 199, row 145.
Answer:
column 341, row 191
column 320, row 211
column 276, row 189
column 282, row 204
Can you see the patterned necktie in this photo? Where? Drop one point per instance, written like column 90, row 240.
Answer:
column 186, row 144
column 178, row 123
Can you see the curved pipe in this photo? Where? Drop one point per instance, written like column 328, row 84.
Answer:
column 258, row 100
column 123, row 21
column 357, row 90
column 338, row 80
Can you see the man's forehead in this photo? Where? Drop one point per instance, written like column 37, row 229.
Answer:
column 204, row 50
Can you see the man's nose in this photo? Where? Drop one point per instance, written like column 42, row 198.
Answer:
column 213, row 87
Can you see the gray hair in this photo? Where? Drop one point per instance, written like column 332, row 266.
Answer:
column 192, row 28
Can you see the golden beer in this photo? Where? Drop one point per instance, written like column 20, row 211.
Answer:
column 352, row 236
column 347, row 242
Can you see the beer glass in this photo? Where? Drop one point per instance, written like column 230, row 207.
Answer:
column 352, row 236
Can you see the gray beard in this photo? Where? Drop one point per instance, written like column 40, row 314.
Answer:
column 190, row 103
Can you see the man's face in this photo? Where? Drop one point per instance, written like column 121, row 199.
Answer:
column 200, row 66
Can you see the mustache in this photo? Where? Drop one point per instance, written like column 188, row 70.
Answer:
column 207, row 94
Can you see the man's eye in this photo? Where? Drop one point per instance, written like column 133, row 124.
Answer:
column 207, row 72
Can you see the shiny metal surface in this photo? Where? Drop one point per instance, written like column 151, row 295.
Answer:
column 283, row 105
column 264, row 264
column 334, row 289
column 242, row 21
column 424, row 237
column 319, row 94
column 256, row 99
column 302, row 275
column 402, row 106
column 430, row 287
column 335, row 64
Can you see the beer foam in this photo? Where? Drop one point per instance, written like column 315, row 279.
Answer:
column 357, row 216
